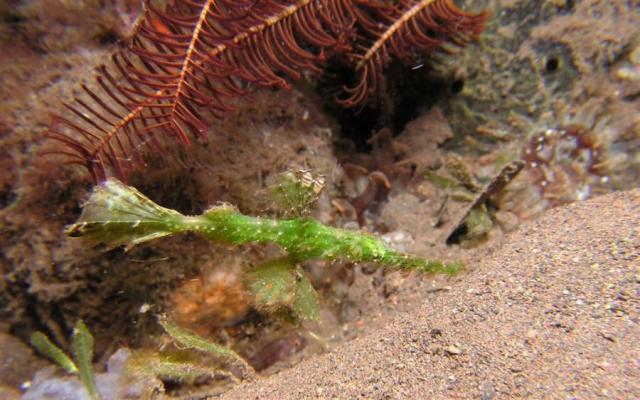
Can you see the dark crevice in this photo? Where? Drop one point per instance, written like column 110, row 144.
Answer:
column 409, row 91
column 552, row 65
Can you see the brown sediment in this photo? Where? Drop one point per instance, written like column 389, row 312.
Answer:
column 551, row 312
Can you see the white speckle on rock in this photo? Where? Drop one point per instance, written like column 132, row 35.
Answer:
column 398, row 240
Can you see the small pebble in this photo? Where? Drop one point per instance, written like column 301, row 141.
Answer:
column 453, row 350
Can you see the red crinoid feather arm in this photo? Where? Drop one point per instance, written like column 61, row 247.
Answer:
column 104, row 126
column 279, row 39
column 405, row 30
column 135, row 100
column 235, row 43
column 193, row 56
column 174, row 46
column 198, row 56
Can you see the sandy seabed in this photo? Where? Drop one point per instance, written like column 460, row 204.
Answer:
column 550, row 312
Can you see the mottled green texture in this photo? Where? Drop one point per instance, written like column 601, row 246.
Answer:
column 177, row 365
column 305, row 304
column 305, row 239
column 272, row 285
column 282, row 283
column 296, row 192
column 190, row 340
column 118, row 214
column 45, row 347
column 82, row 349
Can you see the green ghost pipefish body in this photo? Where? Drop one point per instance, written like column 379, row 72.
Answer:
column 120, row 215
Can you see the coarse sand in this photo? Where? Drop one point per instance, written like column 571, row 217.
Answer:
column 550, row 312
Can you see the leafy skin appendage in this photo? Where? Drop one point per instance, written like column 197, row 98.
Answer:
column 190, row 61
column 190, row 340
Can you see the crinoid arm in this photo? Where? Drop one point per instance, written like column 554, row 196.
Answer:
column 190, row 61
column 408, row 30
column 186, row 65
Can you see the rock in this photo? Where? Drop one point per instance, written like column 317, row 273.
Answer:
column 17, row 361
column 453, row 350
